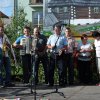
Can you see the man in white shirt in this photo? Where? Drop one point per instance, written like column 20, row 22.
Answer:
column 58, row 44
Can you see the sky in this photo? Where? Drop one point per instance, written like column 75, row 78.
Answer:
column 6, row 6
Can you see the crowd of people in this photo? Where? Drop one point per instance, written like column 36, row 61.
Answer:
column 61, row 48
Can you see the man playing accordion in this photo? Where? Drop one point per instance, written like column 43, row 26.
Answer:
column 24, row 44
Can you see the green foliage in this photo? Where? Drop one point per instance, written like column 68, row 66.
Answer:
column 47, row 33
column 14, row 30
column 17, row 23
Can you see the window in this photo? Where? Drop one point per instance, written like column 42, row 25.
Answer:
column 96, row 10
column 37, row 18
column 57, row 10
column 65, row 9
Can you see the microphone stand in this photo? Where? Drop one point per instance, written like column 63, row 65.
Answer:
column 56, row 86
column 33, row 74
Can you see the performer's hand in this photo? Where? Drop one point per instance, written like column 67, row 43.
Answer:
column 17, row 46
column 82, row 50
column 60, row 52
column 53, row 47
column 35, row 49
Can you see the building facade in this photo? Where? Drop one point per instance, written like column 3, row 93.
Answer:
column 61, row 10
column 75, row 9
column 33, row 9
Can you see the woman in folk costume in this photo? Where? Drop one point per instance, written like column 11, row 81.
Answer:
column 4, row 58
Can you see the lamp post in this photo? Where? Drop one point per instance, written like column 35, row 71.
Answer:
column 38, row 19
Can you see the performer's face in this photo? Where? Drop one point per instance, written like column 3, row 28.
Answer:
column 84, row 40
column 67, row 32
column 26, row 31
column 36, row 31
column 57, row 30
column 1, row 30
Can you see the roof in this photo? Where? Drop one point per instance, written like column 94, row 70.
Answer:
column 54, row 3
column 2, row 15
column 50, row 19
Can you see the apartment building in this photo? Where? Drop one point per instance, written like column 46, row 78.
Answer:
column 33, row 9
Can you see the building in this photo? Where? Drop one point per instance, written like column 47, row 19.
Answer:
column 59, row 10
column 4, row 19
column 75, row 9
column 33, row 9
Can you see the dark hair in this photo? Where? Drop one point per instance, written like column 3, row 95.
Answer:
column 27, row 27
column 83, row 36
column 95, row 34
column 57, row 25
column 2, row 26
column 68, row 28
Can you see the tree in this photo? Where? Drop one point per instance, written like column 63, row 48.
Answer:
column 17, row 23
column 15, row 29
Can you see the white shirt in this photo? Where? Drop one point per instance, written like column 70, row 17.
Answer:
column 60, row 41
column 97, row 47
column 84, row 55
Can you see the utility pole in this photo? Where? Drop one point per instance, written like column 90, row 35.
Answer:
column 15, row 7
column 45, row 11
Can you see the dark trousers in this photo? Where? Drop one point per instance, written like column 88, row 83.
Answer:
column 84, row 71
column 68, row 68
column 44, row 61
column 5, row 62
column 26, row 66
column 59, row 65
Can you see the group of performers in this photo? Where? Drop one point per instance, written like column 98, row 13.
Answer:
column 34, row 49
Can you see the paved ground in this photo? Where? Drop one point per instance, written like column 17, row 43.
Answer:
column 44, row 92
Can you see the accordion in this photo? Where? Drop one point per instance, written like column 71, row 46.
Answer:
column 26, row 43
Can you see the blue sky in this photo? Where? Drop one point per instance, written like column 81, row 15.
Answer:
column 6, row 6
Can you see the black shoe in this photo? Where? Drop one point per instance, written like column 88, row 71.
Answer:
column 51, row 85
column 62, row 85
column 9, row 85
column 1, row 83
column 71, row 84
column 46, row 82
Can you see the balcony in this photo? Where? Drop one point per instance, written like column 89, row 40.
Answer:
column 36, row 3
